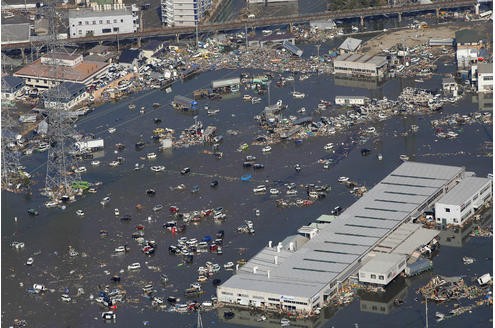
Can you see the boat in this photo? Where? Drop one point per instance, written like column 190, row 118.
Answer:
column 291, row 192
column 163, row 278
column 440, row 316
column 212, row 112
column 157, row 168
column 467, row 260
column 247, row 98
column 328, row 146
column 371, row 129
column 404, row 157
column 108, row 315
column 114, row 163
column 302, row 110
column 80, row 169
column 30, row 261
column 132, row 106
column 343, row 179
column 50, row 204
column 354, row 28
column 121, row 249
column 419, row 81
column 380, row 157
column 111, row 130
column 95, row 163
column 298, row 95
column 80, row 212
column 156, row 105
column 66, row 298
column 105, row 201
column 32, row 211
column 214, row 183
column 255, row 100
column 260, row 188
column 297, row 167
column 284, row 322
column 202, row 278
column 266, row 149
column 157, row 207
column 228, row 265
column 274, row 191
column 246, row 177
column 134, row 266
column 151, row 156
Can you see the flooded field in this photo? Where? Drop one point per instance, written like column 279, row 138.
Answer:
column 47, row 237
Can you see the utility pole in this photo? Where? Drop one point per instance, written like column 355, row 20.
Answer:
column 197, row 34
column 246, row 34
column 318, row 50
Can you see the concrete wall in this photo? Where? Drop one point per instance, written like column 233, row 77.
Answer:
column 386, row 275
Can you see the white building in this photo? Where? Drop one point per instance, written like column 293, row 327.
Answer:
column 463, row 200
column 183, row 12
column 103, row 20
column 485, row 77
column 382, row 269
column 351, row 100
column 303, row 273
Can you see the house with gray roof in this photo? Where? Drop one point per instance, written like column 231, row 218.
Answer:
column 12, row 86
column 66, row 95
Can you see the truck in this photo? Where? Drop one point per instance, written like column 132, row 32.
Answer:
column 421, row 265
column 91, row 145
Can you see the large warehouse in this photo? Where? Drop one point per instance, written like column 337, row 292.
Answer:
column 301, row 274
column 360, row 65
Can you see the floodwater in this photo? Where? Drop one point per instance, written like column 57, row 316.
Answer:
column 54, row 229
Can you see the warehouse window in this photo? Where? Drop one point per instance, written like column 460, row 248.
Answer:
column 381, row 277
column 373, row 276
column 447, row 210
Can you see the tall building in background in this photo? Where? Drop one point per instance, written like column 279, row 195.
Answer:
column 184, row 12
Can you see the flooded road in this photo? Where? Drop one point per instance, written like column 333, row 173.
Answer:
column 50, row 234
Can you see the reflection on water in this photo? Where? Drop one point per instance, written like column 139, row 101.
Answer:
column 254, row 318
column 458, row 236
column 382, row 303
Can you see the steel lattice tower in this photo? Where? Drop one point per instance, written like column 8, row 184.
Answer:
column 59, row 167
column 12, row 178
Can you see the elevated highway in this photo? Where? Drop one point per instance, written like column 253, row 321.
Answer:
column 240, row 24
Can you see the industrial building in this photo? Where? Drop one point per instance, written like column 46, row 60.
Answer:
column 485, row 77
column 463, row 200
column 468, row 44
column 103, row 20
column 360, row 65
column 43, row 74
column 184, row 12
column 301, row 274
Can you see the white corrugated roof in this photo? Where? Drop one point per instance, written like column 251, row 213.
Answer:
column 350, row 236
column 350, row 44
column 463, row 191
column 382, row 263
